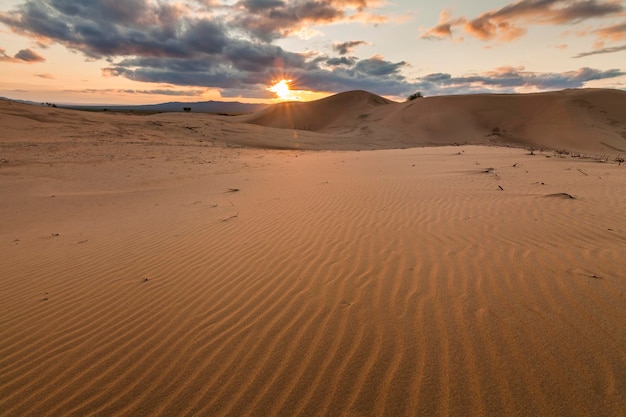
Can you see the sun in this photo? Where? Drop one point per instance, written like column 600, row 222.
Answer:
column 282, row 90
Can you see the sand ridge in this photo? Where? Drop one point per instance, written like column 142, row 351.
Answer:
column 151, row 266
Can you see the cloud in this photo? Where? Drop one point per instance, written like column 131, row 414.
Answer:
column 377, row 66
column 203, row 43
column 602, row 51
column 105, row 28
column 510, row 80
column 200, row 44
column 266, row 63
column 443, row 29
column 28, row 55
column 25, row 55
column 344, row 48
column 273, row 19
column 509, row 22
column 341, row 61
column 614, row 33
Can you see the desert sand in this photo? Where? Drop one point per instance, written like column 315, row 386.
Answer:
column 316, row 259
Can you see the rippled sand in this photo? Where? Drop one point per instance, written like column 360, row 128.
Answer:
column 178, row 277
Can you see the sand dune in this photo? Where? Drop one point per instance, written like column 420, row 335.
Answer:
column 150, row 266
column 575, row 120
column 589, row 121
column 338, row 112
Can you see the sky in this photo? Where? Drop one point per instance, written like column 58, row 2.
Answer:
column 261, row 51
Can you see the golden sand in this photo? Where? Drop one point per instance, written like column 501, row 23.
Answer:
column 149, row 266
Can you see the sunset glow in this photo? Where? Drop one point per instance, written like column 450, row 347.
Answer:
column 282, row 90
column 127, row 52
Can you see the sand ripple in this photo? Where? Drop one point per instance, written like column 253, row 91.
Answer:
column 388, row 283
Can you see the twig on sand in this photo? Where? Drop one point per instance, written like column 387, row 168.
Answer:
column 500, row 187
column 582, row 172
column 225, row 219
column 562, row 195
column 232, row 190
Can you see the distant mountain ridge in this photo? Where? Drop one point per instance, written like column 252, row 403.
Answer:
column 212, row 106
column 176, row 106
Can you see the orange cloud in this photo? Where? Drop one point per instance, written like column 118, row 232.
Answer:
column 613, row 33
column 443, row 29
column 509, row 22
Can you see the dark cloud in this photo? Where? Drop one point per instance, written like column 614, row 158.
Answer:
column 264, row 64
column 271, row 19
column 344, row 48
column 334, row 62
column 256, row 6
column 272, row 23
column 344, row 79
column 28, row 55
column 508, row 22
column 152, row 41
column 231, row 47
column 378, row 67
column 106, row 28
column 373, row 74
column 509, row 79
column 25, row 55
column 602, row 51
column 258, row 57
column 438, row 78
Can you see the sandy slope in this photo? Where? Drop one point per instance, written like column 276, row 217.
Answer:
column 575, row 120
column 589, row 121
column 441, row 281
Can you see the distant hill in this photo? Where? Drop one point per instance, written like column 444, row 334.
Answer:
column 226, row 107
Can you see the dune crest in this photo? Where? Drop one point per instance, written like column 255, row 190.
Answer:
column 332, row 113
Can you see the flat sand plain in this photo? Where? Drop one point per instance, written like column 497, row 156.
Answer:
column 151, row 266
